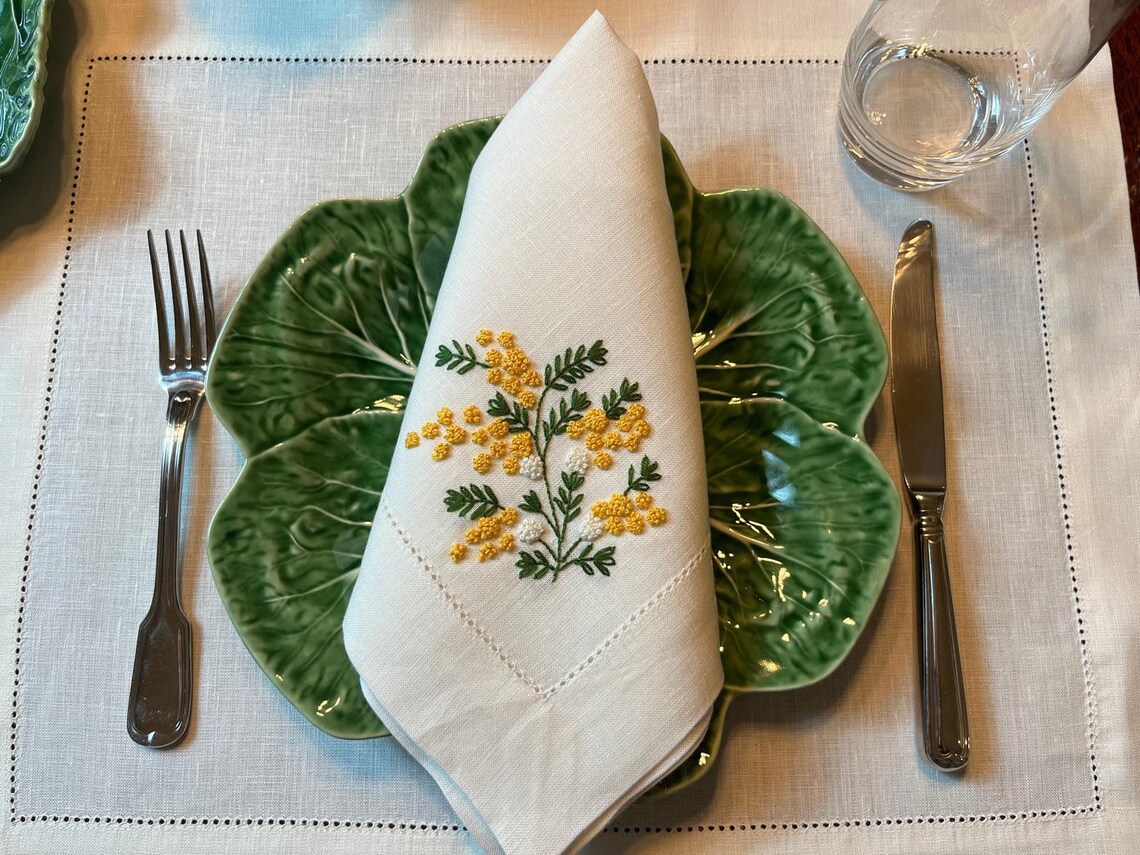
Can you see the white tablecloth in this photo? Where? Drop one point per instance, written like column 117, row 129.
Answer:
column 225, row 117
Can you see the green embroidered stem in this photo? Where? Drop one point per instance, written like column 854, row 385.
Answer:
column 460, row 360
column 614, row 401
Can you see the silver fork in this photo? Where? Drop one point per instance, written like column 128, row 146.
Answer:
column 161, row 688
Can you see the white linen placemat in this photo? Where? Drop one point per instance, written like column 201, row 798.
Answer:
column 1039, row 308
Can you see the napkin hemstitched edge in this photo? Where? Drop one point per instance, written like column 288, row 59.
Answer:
column 494, row 647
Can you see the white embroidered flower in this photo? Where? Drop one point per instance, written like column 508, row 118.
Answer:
column 531, row 467
column 531, row 531
column 591, row 528
column 577, row 460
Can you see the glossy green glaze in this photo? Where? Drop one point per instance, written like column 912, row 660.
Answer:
column 24, row 28
column 286, row 547
column 790, row 359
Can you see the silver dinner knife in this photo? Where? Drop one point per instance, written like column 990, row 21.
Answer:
column 917, row 391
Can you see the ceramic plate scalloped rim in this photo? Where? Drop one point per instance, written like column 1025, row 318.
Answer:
column 34, row 84
column 826, row 338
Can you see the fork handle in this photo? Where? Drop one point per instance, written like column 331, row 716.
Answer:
column 161, row 687
column 945, row 728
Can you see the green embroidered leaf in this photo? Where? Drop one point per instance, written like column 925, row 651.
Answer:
column 805, row 522
column 461, row 359
column 531, row 503
column 613, row 401
column 571, row 366
column 513, row 413
column 639, row 478
column 332, row 321
column 473, row 501
column 591, row 562
column 23, row 52
column 285, row 548
column 776, row 312
column 534, row 565
column 560, row 416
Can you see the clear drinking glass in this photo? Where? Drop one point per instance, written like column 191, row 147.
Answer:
column 934, row 88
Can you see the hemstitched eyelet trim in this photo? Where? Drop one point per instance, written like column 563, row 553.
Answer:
column 496, row 649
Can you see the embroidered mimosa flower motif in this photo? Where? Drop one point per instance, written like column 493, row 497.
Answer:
column 528, row 413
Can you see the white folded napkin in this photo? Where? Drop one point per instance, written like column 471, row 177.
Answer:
column 544, row 704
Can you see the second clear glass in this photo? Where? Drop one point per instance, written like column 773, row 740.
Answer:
column 931, row 90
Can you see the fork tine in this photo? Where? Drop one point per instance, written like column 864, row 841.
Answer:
column 197, row 346
column 181, row 354
column 159, row 306
column 207, row 297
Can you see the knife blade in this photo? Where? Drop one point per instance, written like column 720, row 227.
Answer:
column 916, row 373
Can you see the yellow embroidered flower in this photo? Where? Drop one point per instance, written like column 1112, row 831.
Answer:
column 632, row 442
column 656, row 516
column 484, row 337
column 488, row 551
column 643, row 500
column 509, row 516
column 455, row 435
column 635, row 523
column 603, row 460
column 444, row 416
column 494, row 358
column 512, row 385
column 507, row 542
column 528, row 399
column 533, row 378
column 442, row 450
column 480, row 436
column 641, row 428
column 457, row 552
column 614, row 525
column 472, row 535
column 482, row 463
column 575, row 429
column 522, row 445
column 498, row 448
column 621, row 506
column 430, row 430
column 511, row 465
column 472, row 415
column 412, row 440
column 594, row 441
column 494, row 376
column 600, row 509
column 637, row 411
column 505, row 339
column 612, row 440
column 596, row 420
column 515, row 362
column 498, row 428
column 489, row 528
column 625, row 423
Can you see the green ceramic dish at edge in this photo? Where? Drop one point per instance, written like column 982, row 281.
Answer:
column 23, row 66
column 789, row 357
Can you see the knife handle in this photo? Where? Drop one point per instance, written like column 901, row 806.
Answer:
column 945, row 729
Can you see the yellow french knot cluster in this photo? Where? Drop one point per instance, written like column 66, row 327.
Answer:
column 602, row 435
column 487, row 533
column 620, row 513
column 510, row 369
